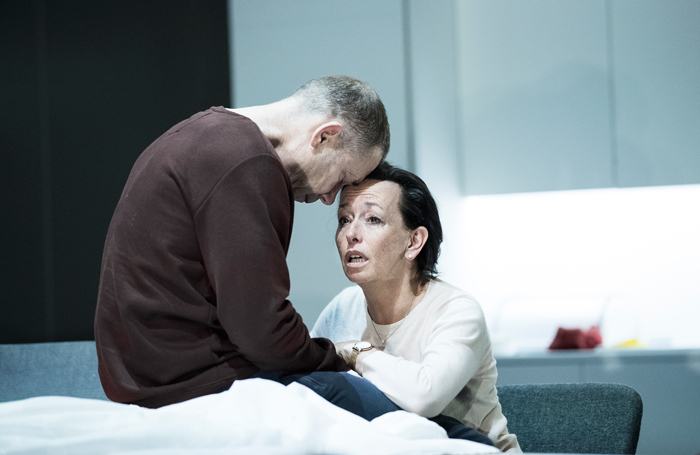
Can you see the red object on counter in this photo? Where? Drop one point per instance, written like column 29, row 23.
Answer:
column 576, row 339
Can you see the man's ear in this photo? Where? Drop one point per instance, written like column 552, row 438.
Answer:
column 417, row 241
column 327, row 131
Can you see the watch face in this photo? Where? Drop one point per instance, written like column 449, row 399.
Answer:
column 362, row 345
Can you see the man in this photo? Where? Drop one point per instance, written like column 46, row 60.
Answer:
column 194, row 278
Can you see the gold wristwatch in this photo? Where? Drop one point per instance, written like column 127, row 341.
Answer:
column 356, row 349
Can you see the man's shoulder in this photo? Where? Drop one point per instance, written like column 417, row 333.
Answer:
column 193, row 158
column 213, row 143
column 222, row 135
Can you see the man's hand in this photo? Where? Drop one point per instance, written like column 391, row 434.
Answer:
column 344, row 348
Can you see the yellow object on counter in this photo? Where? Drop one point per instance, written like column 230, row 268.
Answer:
column 634, row 343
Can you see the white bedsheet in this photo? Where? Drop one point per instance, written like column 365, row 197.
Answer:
column 255, row 416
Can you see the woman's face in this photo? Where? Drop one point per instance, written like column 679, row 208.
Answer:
column 371, row 238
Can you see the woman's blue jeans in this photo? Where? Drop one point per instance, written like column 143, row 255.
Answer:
column 362, row 398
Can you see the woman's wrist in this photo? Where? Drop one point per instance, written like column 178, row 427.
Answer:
column 351, row 350
column 353, row 357
column 361, row 358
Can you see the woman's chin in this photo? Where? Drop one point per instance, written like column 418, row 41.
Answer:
column 355, row 276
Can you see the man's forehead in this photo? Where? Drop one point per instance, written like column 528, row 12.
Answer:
column 363, row 164
column 352, row 177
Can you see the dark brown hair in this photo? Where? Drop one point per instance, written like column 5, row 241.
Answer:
column 418, row 208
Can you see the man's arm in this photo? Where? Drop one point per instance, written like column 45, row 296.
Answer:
column 244, row 229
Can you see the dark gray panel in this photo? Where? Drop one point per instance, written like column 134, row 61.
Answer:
column 91, row 84
column 22, row 311
column 121, row 73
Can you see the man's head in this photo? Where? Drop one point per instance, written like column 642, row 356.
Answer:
column 349, row 138
column 355, row 105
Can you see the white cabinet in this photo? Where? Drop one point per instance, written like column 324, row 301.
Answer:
column 558, row 95
column 656, row 50
column 533, row 93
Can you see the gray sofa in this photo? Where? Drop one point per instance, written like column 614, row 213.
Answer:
column 63, row 368
column 564, row 418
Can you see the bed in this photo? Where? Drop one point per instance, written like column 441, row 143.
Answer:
column 51, row 402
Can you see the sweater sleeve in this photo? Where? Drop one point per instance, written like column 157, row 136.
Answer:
column 451, row 356
column 344, row 318
column 327, row 323
column 244, row 229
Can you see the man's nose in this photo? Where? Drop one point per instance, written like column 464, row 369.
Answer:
column 329, row 197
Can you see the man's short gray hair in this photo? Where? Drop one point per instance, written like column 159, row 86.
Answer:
column 355, row 104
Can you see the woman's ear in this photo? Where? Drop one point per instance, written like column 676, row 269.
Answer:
column 418, row 238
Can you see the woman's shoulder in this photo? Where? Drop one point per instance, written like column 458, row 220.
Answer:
column 348, row 308
column 350, row 297
column 445, row 297
column 447, row 292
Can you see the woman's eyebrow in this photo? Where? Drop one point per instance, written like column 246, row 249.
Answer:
column 368, row 203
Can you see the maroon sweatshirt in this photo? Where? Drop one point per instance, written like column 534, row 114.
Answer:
column 194, row 283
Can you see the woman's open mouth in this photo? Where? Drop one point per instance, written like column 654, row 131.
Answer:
column 356, row 258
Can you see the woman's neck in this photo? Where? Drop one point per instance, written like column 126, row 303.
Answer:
column 390, row 301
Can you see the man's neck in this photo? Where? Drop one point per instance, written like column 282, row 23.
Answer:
column 267, row 118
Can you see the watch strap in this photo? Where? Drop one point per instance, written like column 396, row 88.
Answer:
column 355, row 352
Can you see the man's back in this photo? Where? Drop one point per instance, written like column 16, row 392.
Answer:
column 176, row 316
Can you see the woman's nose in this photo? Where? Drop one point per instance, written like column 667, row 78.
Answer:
column 352, row 233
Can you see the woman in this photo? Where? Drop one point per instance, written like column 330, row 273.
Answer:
column 424, row 343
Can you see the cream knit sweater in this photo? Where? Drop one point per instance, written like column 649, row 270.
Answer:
column 438, row 361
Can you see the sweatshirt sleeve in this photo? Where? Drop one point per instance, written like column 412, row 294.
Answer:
column 451, row 356
column 244, row 229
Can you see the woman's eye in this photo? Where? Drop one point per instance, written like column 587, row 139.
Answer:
column 374, row 220
column 342, row 220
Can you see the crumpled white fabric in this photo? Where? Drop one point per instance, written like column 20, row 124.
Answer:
column 254, row 416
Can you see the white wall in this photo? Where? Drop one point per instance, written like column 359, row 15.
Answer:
column 513, row 97
column 508, row 96
column 626, row 259
column 278, row 45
